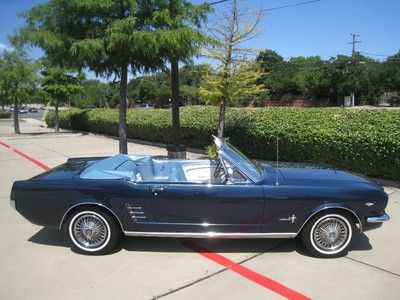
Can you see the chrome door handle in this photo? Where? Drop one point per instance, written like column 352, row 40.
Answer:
column 158, row 189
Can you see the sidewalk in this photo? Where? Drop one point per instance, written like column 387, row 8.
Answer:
column 44, row 143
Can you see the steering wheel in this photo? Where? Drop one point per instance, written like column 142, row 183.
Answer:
column 223, row 178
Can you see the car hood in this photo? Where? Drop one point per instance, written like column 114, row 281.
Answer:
column 321, row 174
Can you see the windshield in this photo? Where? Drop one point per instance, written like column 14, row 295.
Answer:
column 241, row 161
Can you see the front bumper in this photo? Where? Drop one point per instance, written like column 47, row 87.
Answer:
column 378, row 218
column 12, row 203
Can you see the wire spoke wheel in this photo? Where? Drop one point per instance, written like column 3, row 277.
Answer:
column 330, row 234
column 92, row 230
column 89, row 231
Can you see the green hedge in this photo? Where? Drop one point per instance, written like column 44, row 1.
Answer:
column 365, row 141
column 5, row 115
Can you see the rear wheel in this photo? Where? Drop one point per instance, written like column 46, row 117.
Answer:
column 91, row 231
column 329, row 234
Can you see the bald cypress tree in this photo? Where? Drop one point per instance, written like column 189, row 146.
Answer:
column 18, row 80
column 109, row 37
column 176, row 25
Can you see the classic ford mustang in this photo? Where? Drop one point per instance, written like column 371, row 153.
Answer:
column 94, row 200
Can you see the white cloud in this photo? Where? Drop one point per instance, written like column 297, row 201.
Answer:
column 5, row 47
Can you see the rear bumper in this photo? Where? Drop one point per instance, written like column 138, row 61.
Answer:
column 378, row 218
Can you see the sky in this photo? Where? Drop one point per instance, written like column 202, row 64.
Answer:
column 320, row 28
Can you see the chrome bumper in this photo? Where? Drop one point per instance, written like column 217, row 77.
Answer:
column 12, row 203
column 378, row 219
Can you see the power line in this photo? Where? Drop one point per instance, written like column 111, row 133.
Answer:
column 374, row 54
column 273, row 8
column 216, row 2
column 290, row 5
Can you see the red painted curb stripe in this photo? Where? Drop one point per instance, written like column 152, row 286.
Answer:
column 36, row 162
column 245, row 272
column 215, row 257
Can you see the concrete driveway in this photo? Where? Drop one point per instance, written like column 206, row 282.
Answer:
column 36, row 262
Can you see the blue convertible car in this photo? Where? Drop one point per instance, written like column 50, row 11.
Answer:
column 94, row 200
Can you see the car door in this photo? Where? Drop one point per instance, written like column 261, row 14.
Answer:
column 200, row 208
column 133, row 203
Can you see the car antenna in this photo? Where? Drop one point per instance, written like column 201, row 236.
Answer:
column 277, row 160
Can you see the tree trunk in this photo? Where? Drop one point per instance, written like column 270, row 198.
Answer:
column 123, row 144
column 221, row 119
column 16, row 122
column 2, row 107
column 176, row 134
column 56, row 124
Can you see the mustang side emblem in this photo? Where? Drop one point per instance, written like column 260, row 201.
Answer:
column 291, row 219
column 136, row 212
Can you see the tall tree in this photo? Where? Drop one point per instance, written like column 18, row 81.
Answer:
column 179, row 37
column 108, row 37
column 4, row 99
column 269, row 60
column 311, row 76
column 59, row 85
column 155, row 89
column 93, row 92
column 243, row 84
column 392, row 72
column 234, row 25
column 18, row 80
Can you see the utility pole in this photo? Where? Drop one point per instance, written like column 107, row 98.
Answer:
column 353, row 61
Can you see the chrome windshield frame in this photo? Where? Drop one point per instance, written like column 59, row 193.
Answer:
column 222, row 146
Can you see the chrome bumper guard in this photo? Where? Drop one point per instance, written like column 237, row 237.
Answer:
column 378, row 219
column 12, row 203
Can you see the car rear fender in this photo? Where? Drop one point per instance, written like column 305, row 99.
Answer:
column 89, row 203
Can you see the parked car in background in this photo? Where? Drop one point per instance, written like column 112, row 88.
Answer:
column 23, row 111
column 33, row 110
column 94, row 200
column 145, row 105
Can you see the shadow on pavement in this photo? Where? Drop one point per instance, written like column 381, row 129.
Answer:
column 49, row 236
column 55, row 237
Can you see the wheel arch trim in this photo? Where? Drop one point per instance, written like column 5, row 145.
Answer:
column 89, row 203
column 331, row 207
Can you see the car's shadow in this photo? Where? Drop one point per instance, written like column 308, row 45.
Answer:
column 55, row 237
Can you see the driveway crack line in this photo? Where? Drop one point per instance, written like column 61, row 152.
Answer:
column 372, row 266
column 216, row 273
column 51, row 150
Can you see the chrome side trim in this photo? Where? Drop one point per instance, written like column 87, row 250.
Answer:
column 331, row 207
column 89, row 203
column 12, row 203
column 205, row 224
column 229, row 235
column 378, row 219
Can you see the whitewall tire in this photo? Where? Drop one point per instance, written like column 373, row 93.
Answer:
column 329, row 234
column 90, row 230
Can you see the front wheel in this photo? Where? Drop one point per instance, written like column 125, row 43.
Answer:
column 91, row 231
column 328, row 235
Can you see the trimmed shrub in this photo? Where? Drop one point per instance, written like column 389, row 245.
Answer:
column 365, row 141
column 5, row 115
